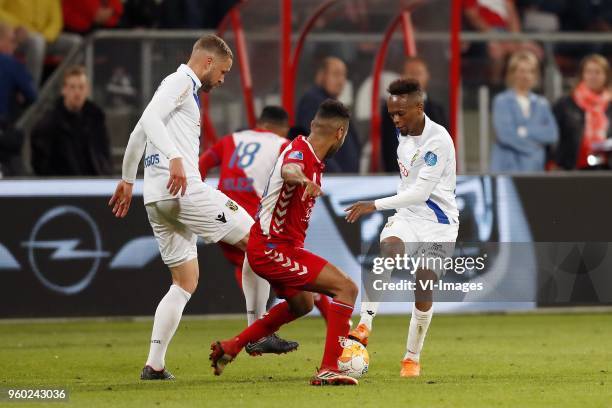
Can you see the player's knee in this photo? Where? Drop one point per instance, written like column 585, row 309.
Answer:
column 188, row 285
column 347, row 290
column 392, row 246
column 351, row 289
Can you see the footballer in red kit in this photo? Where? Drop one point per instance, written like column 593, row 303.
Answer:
column 277, row 245
column 246, row 159
column 276, row 251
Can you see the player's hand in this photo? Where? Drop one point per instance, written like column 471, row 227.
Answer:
column 178, row 180
column 121, row 199
column 358, row 209
column 312, row 190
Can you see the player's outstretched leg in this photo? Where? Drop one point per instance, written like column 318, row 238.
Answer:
column 256, row 292
column 335, row 283
column 389, row 248
column 422, row 312
column 167, row 318
column 224, row 352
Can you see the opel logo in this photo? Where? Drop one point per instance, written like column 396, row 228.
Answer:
column 65, row 249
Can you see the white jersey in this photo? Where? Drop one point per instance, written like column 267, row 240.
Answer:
column 176, row 102
column 430, row 156
column 265, row 147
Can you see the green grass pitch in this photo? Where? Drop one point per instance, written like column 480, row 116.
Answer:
column 516, row 360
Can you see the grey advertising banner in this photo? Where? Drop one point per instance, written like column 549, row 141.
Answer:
column 62, row 253
column 567, row 273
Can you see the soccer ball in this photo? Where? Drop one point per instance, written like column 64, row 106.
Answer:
column 354, row 360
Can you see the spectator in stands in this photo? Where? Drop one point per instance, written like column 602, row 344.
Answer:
column 330, row 80
column 15, row 81
column 71, row 139
column 498, row 15
column 414, row 68
column 83, row 16
column 38, row 26
column 523, row 121
column 194, row 13
column 15, row 84
column 140, row 14
column 585, row 115
column 573, row 16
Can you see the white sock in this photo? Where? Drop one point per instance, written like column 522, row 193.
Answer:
column 419, row 323
column 368, row 312
column 167, row 317
column 370, row 300
column 256, row 292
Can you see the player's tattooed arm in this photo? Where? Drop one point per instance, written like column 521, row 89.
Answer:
column 293, row 175
column 356, row 210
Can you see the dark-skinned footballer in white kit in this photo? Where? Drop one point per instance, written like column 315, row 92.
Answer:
column 426, row 212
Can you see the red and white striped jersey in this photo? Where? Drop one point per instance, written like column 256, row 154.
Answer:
column 247, row 159
column 283, row 216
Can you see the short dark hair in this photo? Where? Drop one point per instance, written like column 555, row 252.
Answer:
column 332, row 109
column 214, row 44
column 326, row 62
column 274, row 114
column 405, row 86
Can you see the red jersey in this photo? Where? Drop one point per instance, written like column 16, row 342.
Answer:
column 283, row 216
column 494, row 12
column 79, row 15
column 246, row 160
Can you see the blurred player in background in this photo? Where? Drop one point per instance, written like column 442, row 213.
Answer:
column 276, row 248
column 180, row 207
column 247, row 159
column 426, row 212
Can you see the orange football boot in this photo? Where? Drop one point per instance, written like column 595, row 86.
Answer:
column 360, row 334
column 410, row 368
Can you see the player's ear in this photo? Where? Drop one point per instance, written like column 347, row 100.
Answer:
column 209, row 61
column 340, row 132
column 421, row 106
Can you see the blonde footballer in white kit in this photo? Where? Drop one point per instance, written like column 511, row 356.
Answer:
column 180, row 207
column 426, row 211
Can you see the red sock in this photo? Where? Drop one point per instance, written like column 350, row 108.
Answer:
column 238, row 275
column 268, row 324
column 337, row 328
column 322, row 303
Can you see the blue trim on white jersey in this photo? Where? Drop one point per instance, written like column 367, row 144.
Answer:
column 195, row 92
column 442, row 218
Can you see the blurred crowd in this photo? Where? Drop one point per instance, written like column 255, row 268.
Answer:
column 532, row 133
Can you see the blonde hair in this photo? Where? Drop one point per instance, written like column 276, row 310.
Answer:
column 516, row 59
column 213, row 44
column 599, row 60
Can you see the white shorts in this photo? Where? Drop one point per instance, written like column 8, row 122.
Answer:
column 422, row 237
column 207, row 213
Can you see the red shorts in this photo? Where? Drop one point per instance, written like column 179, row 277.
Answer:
column 234, row 255
column 287, row 268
